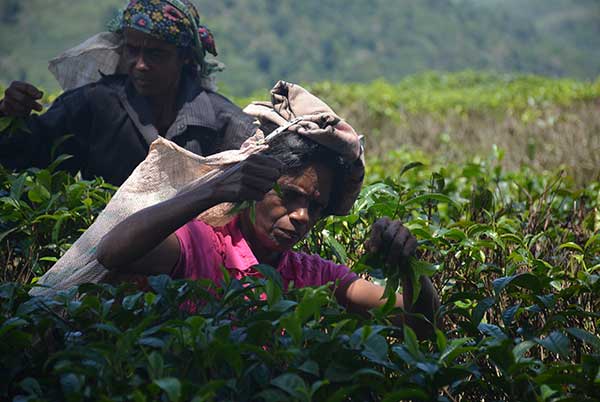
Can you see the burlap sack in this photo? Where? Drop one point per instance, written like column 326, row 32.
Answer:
column 84, row 63
column 167, row 170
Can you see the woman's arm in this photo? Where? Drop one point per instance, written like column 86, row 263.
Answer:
column 395, row 240
column 145, row 242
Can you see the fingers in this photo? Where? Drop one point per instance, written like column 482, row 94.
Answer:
column 263, row 165
column 402, row 246
column 250, row 180
column 20, row 99
column 410, row 246
column 374, row 244
column 27, row 88
column 255, row 188
column 392, row 239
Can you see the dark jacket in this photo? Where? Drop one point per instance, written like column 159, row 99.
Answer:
column 111, row 129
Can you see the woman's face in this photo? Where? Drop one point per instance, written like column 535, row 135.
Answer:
column 154, row 66
column 280, row 222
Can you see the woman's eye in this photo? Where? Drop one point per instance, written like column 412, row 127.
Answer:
column 156, row 54
column 130, row 49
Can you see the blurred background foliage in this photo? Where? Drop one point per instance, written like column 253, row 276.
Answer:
column 340, row 40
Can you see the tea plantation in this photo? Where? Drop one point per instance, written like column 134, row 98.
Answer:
column 514, row 253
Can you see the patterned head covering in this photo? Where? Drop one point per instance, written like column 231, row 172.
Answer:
column 174, row 21
column 294, row 109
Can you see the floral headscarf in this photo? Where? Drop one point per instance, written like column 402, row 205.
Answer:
column 174, row 21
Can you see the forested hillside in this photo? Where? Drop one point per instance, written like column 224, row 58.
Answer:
column 264, row 40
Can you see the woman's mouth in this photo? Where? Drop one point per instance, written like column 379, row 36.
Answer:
column 142, row 82
column 287, row 235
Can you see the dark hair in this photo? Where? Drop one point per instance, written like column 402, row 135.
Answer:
column 297, row 152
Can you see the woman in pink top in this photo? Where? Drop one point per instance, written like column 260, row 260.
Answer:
column 316, row 176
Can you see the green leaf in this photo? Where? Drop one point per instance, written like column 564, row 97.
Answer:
column 38, row 194
column 5, row 122
column 586, row 337
column 417, row 269
column 422, row 199
column 292, row 325
column 71, row 383
column 56, row 163
column 310, row 367
column 520, row 349
column 171, row 386
column 526, row 280
column 55, row 145
column 571, row 246
column 410, row 166
column 270, row 273
column 493, row 331
column 438, row 181
column 440, row 340
column 509, row 314
column 479, row 310
column 391, row 285
column 555, row 342
column 156, row 363
column 7, row 232
column 241, row 206
column 406, row 394
column 376, row 348
column 152, row 342
column 291, row 383
column 31, row 386
column 11, row 323
column 17, row 186
column 410, row 341
column 338, row 250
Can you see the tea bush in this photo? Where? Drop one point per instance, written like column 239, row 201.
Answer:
column 516, row 259
column 42, row 211
column 514, row 253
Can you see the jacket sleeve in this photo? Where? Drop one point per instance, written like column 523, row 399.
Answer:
column 41, row 142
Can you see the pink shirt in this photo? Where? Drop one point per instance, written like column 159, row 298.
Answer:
column 204, row 249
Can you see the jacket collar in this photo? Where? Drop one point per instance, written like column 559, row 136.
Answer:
column 194, row 109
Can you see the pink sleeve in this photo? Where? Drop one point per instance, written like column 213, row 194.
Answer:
column 333, row 272
column 313, row 270
column 199, row 253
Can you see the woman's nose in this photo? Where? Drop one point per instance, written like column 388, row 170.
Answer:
column 300, row 215
column 140, row 63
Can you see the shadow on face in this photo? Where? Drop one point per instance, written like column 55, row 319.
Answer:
column 154, row 65
column 281, row 220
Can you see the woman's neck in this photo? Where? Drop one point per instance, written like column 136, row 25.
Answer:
column 164, row 109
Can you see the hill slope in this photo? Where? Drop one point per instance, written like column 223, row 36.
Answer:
column 346, row 40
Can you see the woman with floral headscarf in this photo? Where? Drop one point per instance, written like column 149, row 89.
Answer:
column 113, row 121
column 315, row 159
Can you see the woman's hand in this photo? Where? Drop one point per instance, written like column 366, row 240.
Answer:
column 393, row 241
column 20, row 98
column 396, row 246
column 249, row 180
